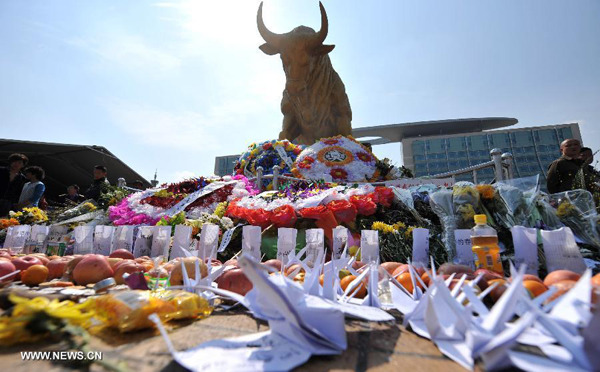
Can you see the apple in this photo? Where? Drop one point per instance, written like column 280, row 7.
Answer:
column 7, row 267
column 121, row 253
column 126, row 266
column 390, row 267
column 231, row 262
column 57, row 268
column 92, row 269
column 488, row 274
column 236, row 281
column 71, row 266
column 449, row 268
column 213, row 262
column 42, row 257
column 22, row 263
column 358, row 264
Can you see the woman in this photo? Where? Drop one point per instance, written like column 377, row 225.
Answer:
column 32, row 190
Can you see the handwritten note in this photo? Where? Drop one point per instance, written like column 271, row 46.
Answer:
column 464, row 251
column 181, row 241
column 561, row 251
column 84, row 239
column 143, row 241
column 526, row 249
column 251, row 240
column 369, row 246
column 55, row 244
column 209, row 238
column 340, row 240
column 286, row 242
column 314, row 245
column 161, row 240
column 124, row 238
column 103, row 239
column 37, row 238
column 420, row 253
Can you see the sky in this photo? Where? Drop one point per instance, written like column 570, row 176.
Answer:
column 169, row 85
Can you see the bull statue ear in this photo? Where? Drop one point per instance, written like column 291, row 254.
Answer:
column 323, row 49
column 268, row 49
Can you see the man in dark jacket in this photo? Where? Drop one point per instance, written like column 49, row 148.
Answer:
column 11, row 182
column 565, row 173
column 99, row 185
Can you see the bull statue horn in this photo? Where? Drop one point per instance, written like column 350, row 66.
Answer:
column 322, row 34
column 270, row 37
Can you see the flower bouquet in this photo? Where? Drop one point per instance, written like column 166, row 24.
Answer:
column 337, row 159
column 267, row 155
column 576, row 209
column 81, row 209
column 29, row 216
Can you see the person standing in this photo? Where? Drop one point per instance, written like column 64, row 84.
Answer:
column 11, row 182
column 99, row 185
column 32, row 190
column 566, row 172
column 72, row 196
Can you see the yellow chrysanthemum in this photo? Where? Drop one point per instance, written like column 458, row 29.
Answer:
column 565, row 209
column 486, row 191
column 383, row 227
column 399, row 225
column 408, row 232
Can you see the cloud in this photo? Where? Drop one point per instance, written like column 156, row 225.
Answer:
column 129, row 51
column 185, row 130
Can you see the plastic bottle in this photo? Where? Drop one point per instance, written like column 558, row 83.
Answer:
column 484, row 240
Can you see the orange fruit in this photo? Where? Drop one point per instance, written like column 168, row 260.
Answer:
column 405, row 280
column 35, row 275
column 362, row 291
column 534, row 287
column 425, row 278
column 596, row 279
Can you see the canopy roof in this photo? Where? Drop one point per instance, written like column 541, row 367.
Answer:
column 397, row 132
column 67, row 164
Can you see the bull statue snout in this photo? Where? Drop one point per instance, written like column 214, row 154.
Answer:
column 314, row 104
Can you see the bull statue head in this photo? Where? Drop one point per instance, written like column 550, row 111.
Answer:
column 314, row 104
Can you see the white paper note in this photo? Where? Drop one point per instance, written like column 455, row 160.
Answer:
column 286, row 243
column 561, row 251
column 37, row 238
column 55, row 240
column 227, row 238
column 526, row 250
column 209, row 239
column 161, row 240
column 143, row 241
column 314, row 245
column 16, row 236
column 181, row 241
column 340, row 240
column 84, row 239
column 124, row 238
column 420, row 253
column 464, row 251
column 251, row 240
column 103, row 239
column 369, row 246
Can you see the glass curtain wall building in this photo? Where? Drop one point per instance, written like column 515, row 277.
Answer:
column 533, row 150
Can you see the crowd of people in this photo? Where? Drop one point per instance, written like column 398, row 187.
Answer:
column 573, row 170
column 22, row 186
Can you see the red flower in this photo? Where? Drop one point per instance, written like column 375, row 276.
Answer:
column 343, row 210
column 324, row 219
column 258, row 217
column 297, row 151
column 284, row 216
column 267, row 146
column 364, row 204
column 330, row 141
column 338, row 174
column 385, row 195
column 308, row 160
column 364, row 157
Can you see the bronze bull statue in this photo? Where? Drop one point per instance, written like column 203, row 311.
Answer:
column 314, row 104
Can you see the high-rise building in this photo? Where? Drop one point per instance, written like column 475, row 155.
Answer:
column 224, row 164
column 533, row 150
column 434, row 147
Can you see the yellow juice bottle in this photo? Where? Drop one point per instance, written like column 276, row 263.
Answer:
column 484, row 240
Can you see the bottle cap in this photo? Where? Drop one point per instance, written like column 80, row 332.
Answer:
column 480, row 219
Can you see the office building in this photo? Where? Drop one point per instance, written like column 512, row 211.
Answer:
column 465, row 142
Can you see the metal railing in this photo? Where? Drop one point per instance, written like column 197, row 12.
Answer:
column 501, row 163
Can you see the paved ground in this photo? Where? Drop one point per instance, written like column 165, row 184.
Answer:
column 371, row 346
